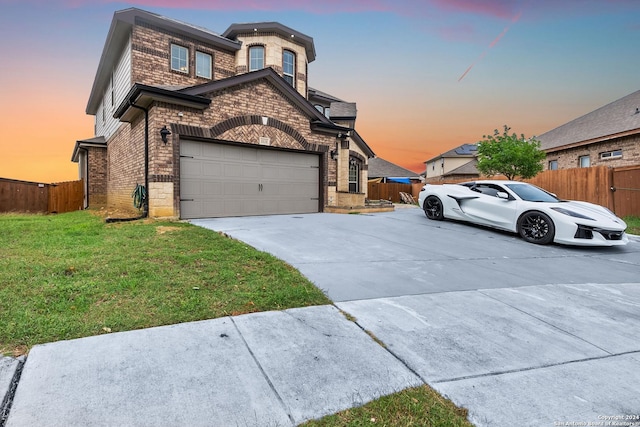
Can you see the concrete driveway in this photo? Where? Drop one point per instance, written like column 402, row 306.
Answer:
column 517, row 333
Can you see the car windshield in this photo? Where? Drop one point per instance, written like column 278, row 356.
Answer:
column 531, row 193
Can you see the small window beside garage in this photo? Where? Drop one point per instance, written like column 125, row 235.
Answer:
column 614, row 154
column 354, row 175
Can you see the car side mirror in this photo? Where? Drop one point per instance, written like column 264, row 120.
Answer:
column 502, row 195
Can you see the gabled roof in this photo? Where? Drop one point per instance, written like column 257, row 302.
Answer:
column 97, row 141
column 614, row 120
column 316, row 94
column 343, row 111
column 121, row 24
column 381, row 168
column 270, row 75
column 273, row 27
column 464, row 150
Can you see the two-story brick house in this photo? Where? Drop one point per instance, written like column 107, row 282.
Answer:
column 216, row 124
column 608, row 136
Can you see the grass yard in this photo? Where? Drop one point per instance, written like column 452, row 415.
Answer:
column 72, row 275
column 633, row 224
column 418, row 407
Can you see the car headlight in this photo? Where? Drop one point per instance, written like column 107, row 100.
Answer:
column 572, row 213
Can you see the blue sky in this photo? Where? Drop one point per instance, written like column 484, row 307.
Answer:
column 426, row 75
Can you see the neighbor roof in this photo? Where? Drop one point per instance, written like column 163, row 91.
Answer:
column 381, row 168
column 469, row 168
column 465, row 150
column 614, row 120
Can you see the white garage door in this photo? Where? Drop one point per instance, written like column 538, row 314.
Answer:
column 219, row 180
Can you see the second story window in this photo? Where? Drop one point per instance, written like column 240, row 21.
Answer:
column 289, row 67
column 553, row 165
column 203, row 65
column 179, row 58
column 256, row 58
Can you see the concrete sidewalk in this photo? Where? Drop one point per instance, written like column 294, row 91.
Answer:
column 262, row 369
column 531, row 356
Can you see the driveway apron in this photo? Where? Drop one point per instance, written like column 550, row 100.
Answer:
column 519, row 334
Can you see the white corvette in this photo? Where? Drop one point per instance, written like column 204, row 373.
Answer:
column 537, row 215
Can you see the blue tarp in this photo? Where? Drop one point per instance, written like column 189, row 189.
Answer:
column 399, row 180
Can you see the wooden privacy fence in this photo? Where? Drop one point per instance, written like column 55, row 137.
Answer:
column 389, row 191
column 616, row 188
column 24, row 196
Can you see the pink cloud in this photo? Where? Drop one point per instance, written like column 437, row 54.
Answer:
column 327, row 6
column 496, row 8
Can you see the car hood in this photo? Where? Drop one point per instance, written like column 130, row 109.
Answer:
column 603, row 217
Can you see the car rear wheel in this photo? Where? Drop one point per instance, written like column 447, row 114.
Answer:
column 433, row 208
column 536, row 227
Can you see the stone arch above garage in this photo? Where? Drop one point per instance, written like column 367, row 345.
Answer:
column 256, row 120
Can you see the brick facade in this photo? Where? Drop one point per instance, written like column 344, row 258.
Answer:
column 97, row 176
column 569, row 158
column 259, row 110
column 150, row 54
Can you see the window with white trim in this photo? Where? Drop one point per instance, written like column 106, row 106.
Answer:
column 614, row 154
column 203, row 65
column 179, row 58
column 584, row 161
column 289, row 67
column 256, row 58
column 354, row 175
column 553, row 165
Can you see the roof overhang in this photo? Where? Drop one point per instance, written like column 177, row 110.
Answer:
column 143, row 95
column 98, row 142
column 118, row 36
column 605, row 138
column 273, row 27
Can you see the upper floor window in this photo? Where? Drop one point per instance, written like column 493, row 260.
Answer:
column 553, row 165
column 256, row 58
column 584, row 161
column 615, row 154
column 179, row 58
column 203, row 65
column 289, row 67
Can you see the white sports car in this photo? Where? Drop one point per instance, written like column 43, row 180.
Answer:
column 537, row 215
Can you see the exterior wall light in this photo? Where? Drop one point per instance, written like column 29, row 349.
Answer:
column 164, row 133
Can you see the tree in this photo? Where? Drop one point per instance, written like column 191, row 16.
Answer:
column 509, row 155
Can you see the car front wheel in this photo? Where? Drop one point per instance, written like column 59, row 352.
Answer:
column 536, row 227
column 433, row 208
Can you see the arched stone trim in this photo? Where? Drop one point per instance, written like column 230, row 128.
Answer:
column 361, row 158
column 238, row 121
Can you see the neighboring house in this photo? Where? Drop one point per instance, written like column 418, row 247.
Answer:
column 216, row 125
column 608, row 136
column 381, row 170
column 457, row 163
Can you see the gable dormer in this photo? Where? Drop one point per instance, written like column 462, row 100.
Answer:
column 271, row 44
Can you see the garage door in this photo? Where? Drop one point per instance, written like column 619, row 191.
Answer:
column 218, row 180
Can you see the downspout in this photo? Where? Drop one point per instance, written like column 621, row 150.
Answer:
column 145, row 208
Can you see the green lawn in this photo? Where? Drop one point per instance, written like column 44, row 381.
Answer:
column 71, row 275
column 633, row 224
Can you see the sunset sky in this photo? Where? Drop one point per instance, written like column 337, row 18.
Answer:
column 427, row 75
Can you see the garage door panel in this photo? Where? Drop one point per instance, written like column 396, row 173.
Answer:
column 212, row 169
column 209, row 151
column 224, row 180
